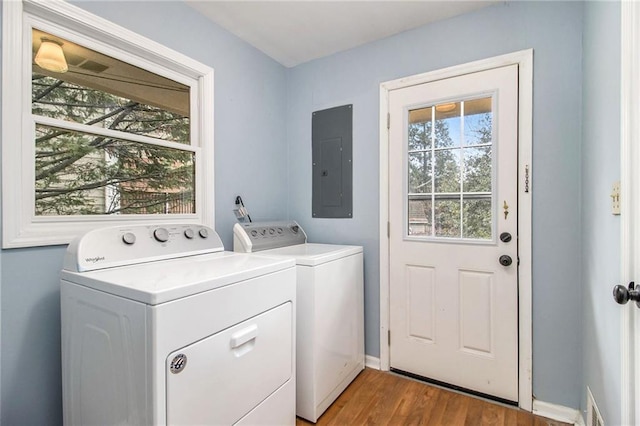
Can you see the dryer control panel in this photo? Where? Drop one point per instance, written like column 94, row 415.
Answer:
column 257, row 236
column 130, row 244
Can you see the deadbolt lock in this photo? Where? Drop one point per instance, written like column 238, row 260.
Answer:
column 505, row 237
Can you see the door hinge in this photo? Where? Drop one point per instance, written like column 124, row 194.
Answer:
column 388, row 121
column 389, row 337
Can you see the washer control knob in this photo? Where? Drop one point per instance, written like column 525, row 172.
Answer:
column 295, row 229
column 204, row 233
column 161, row 235
column 254, row 233
column 272, row 231
column 189, row 233
column 129, row 238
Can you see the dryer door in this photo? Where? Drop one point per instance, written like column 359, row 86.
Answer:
column 221, row 378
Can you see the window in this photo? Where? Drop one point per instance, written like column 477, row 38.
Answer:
column 117, row 138
column 450, row 170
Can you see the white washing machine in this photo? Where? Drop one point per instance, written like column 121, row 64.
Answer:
column 160, row 326
column 330, row 309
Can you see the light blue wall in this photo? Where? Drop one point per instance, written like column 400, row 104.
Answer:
column 554, row 30
column 600, row 229
column 250, row 144
column 31, row 383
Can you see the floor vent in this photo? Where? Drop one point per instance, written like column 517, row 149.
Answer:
column 593, row 414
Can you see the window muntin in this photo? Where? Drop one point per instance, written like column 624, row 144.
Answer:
column 450, row 170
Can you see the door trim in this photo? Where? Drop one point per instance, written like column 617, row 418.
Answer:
column 629, row 203
column 524, row 60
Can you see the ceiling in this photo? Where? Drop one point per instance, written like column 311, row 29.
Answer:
column 294, row 32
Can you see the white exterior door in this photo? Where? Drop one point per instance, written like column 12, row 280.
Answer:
column 453, row 251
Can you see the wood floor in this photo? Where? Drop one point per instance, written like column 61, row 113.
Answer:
column 382, row 398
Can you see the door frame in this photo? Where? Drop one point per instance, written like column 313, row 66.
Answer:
column 524, row 60
column 629, row 205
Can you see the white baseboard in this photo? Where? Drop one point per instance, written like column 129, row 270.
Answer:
column 372, row 362
column 558, row 412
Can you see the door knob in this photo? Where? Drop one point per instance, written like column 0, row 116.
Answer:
column 505, row 260
column 622, row 294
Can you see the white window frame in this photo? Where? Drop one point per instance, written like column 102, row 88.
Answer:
column 20, row 226
column 490, row 195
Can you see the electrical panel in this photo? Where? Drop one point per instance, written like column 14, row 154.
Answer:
column 332, row 158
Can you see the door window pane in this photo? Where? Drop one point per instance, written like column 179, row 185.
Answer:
column 447, row 218
column 449, row 154
column 447, row 170
column 477, row 169
column 420, row 172
column 420, row 216
column 477, row 121
column 447, row 125
column 420, row 124
column 476, row 219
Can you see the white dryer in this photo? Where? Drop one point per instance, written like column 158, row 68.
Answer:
column 330, row 309
column 160, row 326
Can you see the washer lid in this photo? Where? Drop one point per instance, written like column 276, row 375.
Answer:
column 162, row 281
column 311, row 254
